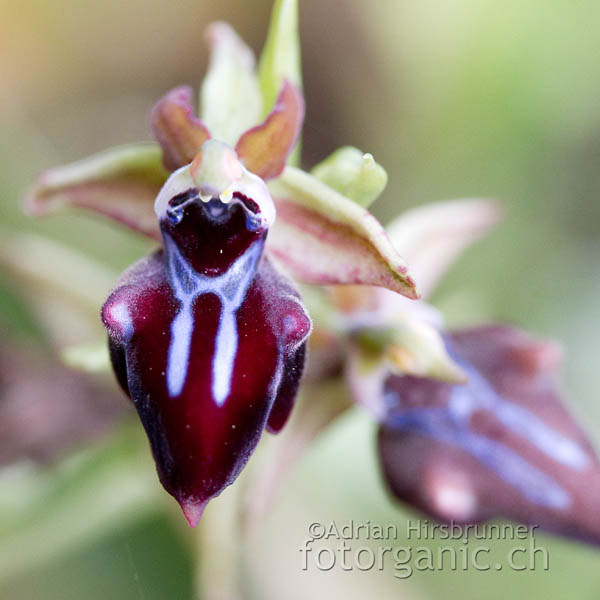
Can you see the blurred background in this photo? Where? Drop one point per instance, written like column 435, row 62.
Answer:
column 459, row 98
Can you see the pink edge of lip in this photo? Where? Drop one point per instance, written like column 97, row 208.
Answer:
column 193, row 511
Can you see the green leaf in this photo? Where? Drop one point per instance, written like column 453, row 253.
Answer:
column 354, row 174
column 90, row 357
column 46, row 513
column 42, row 264
column 280, row 58
column 231, row 98
column 63, row 287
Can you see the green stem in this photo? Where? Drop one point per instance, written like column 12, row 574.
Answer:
column 218, row 551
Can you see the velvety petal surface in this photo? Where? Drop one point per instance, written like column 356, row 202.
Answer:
column 502, row 445
column 205, row 336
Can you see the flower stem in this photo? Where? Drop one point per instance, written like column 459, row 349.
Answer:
column 218, row 549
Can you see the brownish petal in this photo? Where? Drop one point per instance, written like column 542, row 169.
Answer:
column 265, row 148
column 179, row 132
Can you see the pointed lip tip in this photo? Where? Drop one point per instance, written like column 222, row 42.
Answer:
column 193, row 510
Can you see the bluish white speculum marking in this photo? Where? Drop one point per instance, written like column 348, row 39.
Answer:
column 230, row 288
column 451, row 425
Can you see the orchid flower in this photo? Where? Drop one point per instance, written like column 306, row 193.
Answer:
column 501, row 445
column 207, row 336
column 473, row 427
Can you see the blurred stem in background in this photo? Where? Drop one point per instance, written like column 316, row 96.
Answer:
column 219, row 549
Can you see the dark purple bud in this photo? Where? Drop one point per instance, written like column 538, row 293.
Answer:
column 501, row 445
column 206, row 337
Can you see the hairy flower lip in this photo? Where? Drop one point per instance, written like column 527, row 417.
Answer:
column 192, row 510
column 201, row 432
